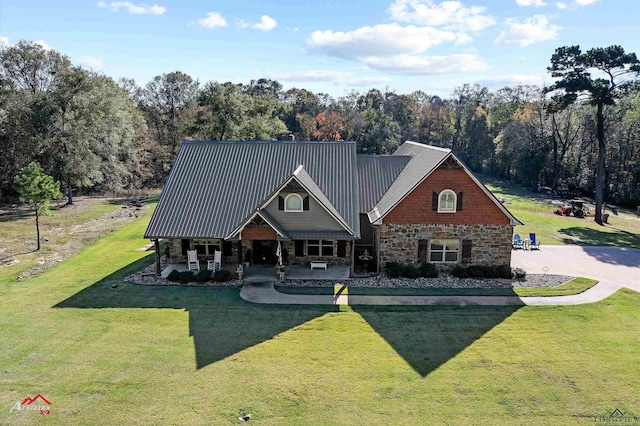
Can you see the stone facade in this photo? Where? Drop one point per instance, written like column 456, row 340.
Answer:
column 491, row 244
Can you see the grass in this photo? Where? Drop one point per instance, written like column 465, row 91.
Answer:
column 536, row 213
column 575, row 286
column 201, row 355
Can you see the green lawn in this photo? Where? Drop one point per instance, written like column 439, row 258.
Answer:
column 537, row 215
column 575, row 286
column 189, row 355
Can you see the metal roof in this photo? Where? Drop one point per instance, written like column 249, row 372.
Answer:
column 320, row 235
column 376, row 173
column 214, row 186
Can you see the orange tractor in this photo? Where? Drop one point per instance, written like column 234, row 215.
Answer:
column 575, row 207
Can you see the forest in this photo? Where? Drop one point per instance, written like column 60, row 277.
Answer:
column 96, row 135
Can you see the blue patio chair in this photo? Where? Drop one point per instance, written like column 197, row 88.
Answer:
column 517, row 242
column 533, row 243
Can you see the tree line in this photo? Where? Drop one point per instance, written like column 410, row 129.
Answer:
column 95, row 134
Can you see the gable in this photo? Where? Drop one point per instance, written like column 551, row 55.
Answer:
column 477, row 206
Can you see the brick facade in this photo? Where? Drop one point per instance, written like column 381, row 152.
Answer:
column 264, row 232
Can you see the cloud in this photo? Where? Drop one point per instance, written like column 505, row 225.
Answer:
column 450, row 15
column 213, row 19
column 339, row 78
column 560, row 5
column 266, row 23
column 525, row 3
column 380, row 40
column 501, row 81
column 4, row 41
column 524, row 33
column 133, row 9
column 427, row 65
column 92, row 62
column 585, row 2
column 42, row 44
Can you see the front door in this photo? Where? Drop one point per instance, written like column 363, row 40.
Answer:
column 264, row 252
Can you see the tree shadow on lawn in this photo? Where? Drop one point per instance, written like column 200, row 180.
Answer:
column 222, row 324
column 427, row 337
column 584, row 236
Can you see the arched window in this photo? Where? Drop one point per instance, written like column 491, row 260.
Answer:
column 293, row 203
column 447, row 201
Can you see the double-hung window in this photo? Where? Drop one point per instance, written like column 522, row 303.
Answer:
column 319, row 248
column 444, row 251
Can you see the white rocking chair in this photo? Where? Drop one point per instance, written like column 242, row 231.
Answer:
column 216, row 263
column 192, row 260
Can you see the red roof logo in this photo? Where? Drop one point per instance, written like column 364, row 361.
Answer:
column 29, row 401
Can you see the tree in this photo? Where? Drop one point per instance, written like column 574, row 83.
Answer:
column 37, row 189
column 599, row 75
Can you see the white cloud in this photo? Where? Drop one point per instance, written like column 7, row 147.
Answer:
column 560, row 5
column 92, row 62
column 531, row 30
column 585, row 2
column 139, row 9
column 42, row 44
column 536, row 3
column 266, row 23
column 427, row 65
column 451, row 15
column 500, row 81
column 381, row 40
column 4, row 41
column 213, row 19
column 339, row 78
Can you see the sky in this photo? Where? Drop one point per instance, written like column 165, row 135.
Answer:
column 325, row 46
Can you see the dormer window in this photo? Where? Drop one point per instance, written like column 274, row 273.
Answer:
column 447, row 201
column 293, row 203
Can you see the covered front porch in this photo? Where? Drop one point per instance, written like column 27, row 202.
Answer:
column 292, row 272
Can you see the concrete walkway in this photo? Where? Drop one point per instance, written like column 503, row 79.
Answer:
column 613, row 267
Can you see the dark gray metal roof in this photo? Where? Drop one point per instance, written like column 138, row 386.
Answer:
column 424, row 159
column 376, row 173
column 320, row 235
column 214, row 186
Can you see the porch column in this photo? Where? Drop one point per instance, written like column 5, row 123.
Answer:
column 352, row 245
column 240, row 252
column 156, row 246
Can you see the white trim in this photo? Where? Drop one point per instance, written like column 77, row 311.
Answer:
column 455, row 201
column 293, row 194
column 444, row 250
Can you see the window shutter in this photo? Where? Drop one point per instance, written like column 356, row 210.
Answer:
column 466, row 249
column 280, row 203
column 342, row 248
column 422, row 250
column 299, row 248
column 227, row 248
column 434, row 202
column 305, row 203
column 459, row 201
column 185, row 247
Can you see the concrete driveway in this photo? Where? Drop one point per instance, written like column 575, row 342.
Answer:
column 613, row 267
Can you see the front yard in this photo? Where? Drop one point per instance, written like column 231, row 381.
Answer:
column 104, row 351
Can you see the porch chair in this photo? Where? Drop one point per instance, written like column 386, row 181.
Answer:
column 534, row 244
column 192, row 260
column 216, row 263
column 517, row 242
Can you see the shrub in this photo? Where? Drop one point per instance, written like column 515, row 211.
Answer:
column 504, row 271
column 393, row 269
column 185, row 277
column 222, row 276
column 476, row 271
column 460, row 272
column 203, row 276
column 174, row 276
column 519, row 274
column 410, row 271
column 428, row 270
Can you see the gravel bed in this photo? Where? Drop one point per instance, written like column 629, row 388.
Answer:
column 443, row 281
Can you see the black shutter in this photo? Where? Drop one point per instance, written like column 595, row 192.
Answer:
column 459, row 201
column 185, row 246
column 466, row 249
column 299, row 247
column 342, row 248
column 227, row 248
column 280, row 203
column 422, row 250
column 434, row 202
column 305, row 203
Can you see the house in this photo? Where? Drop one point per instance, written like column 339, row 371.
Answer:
column 323, row 202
